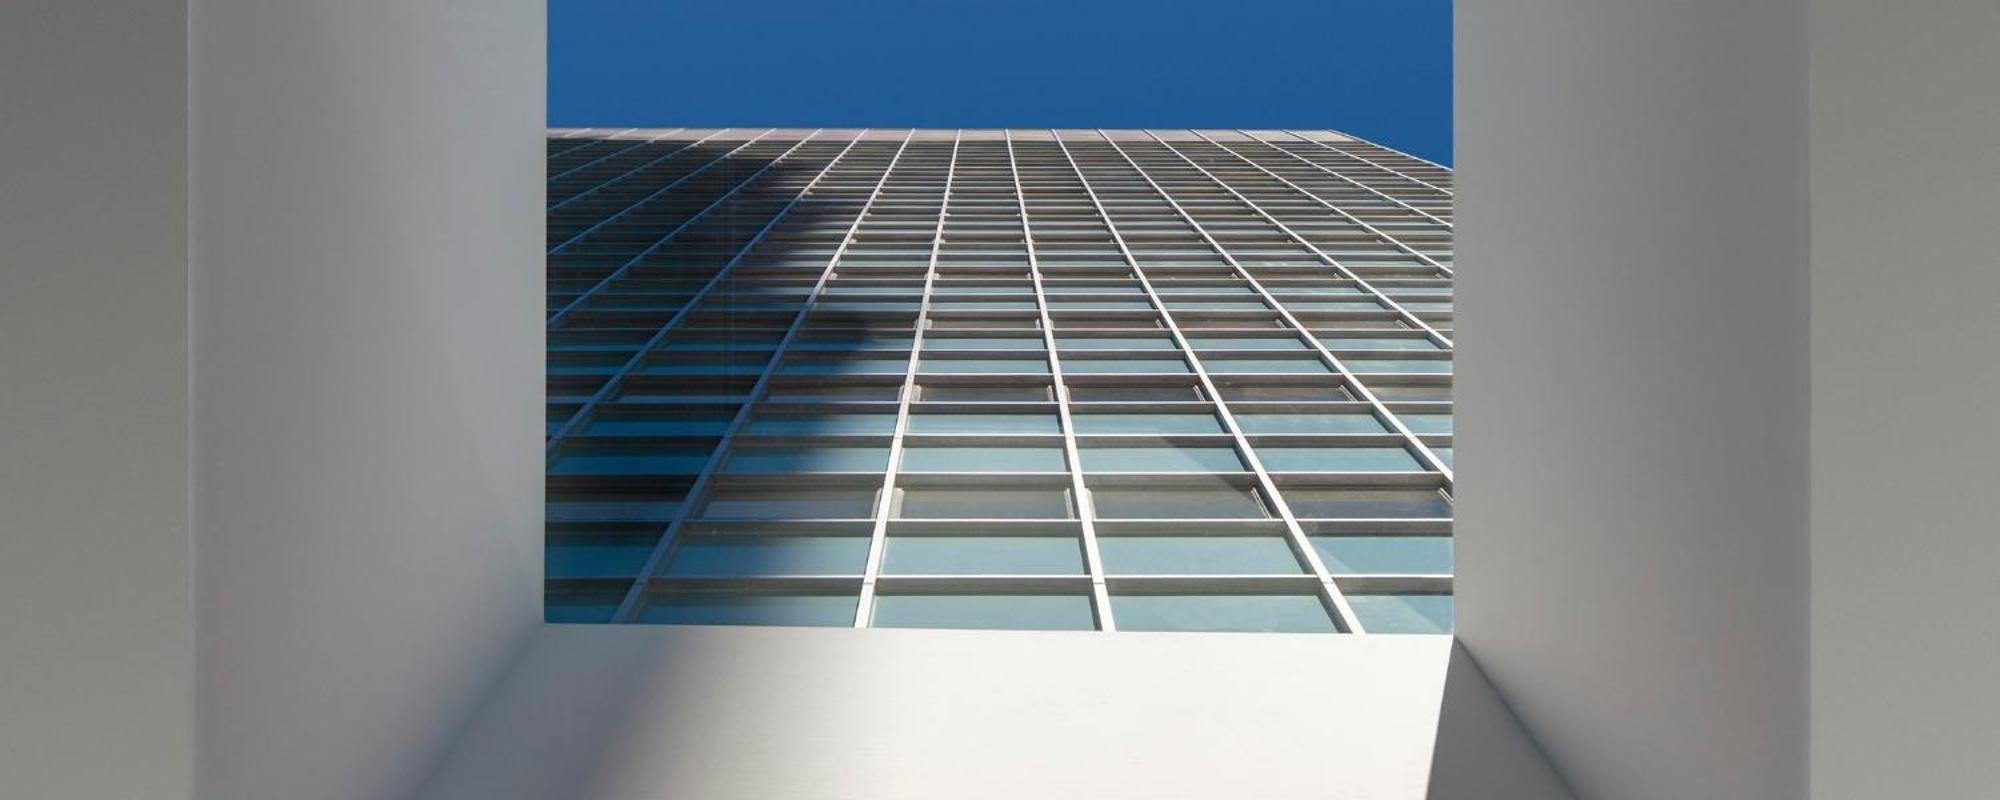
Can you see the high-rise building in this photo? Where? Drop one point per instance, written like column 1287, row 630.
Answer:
column 1071, row 379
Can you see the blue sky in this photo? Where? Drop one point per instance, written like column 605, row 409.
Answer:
column 1380, row 70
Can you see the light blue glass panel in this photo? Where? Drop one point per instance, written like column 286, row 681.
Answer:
column 985, row 423
column 1373, row 366
column 717, row 608
column 985, row 305
column 597, row 555
column 1265, row 365
column 717, row 556
column 1215, row 305
column 1310, row 423
column 983, row 459
column 1146, row 423
column 1332, row 305
column 1426, row 423
column 629, row 461
column 1385, row 555
column 1399, row 613
column 1115, row 343
column 1118, row 366
column 845, row 366
column 982, row 366
column 1281, row 613
column 945, row 290
column 984, row 343
column 1217, row 502
column 1338, row 459
column 1178, row 290
column 1289, row 291
column 763, row 504
column 1099, row 305
column 1160, row 459
column 928, row 503
column 1367, row 503
column 1061, row 289
column 1245, row 343
column 818, row 424
column 983, row 555
column 1443, row 454
column 1377, row 343
column 1197, row 555
column 808, row 459
column 1034, row 612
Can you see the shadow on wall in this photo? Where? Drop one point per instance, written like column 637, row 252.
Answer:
column 645, row 369
column 1482, row 751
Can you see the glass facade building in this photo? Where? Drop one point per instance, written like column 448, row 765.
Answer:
column 1192, row 380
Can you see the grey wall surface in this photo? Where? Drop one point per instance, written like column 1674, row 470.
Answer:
column 610, row 713
column 1905, row 319
column 96, row 646
column 367, row 218
column 1632, row 386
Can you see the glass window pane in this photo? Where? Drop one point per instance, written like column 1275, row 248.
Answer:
column 931, row 503
column 598, row 554
column 1426, row 423
column 1283, row 613
column 984, row 394
column 1146, row 423
column 676, row 423
column 1197, row 555
column 983, row 555
column 985, row 423
column 982, row 366
column 1310, row 423
column 732, row 555
column 585, row 459
column 1371, row 366
column 1377, row 343
column 583, row 606
column 1245, row 343
column 1161, row 459
column 817, row 424
column 1216, row 502
column 761, row 504
column 1398, row 613
column 1120, row 394
column 1367, row 503
column 1443, row 454
column 845, row 366
column 985, row 343
column 989, row 611
column 808, row 459
column 718, row 608
column 1338, row 459
column 1115, row 343
column 1255, row 392
column 1385, row 555
column 1117, row 366
column 983, row 459
column 1265, row 365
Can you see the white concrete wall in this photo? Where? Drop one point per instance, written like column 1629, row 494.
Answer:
column 1905, row 322
column 609, row 713
column 1632, row 386
column 96, row 648
column 367, row 224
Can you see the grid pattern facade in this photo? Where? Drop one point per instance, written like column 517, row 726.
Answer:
column 1034, row 379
